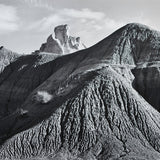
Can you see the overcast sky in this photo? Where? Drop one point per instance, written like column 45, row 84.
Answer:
column 25, row 24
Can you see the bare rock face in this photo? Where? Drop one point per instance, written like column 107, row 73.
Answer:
column 52, row 46
column 84, row 105
column 62, row 43
column 6, row 57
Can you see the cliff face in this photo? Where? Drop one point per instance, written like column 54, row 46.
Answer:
column 61, row 42
column 51, row 46
column 147, row 83
column 84, row 105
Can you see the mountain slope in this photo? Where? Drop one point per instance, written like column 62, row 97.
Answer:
column 20, row 78
column 107, row 112
column 83, row 104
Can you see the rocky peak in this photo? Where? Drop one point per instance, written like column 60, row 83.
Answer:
column 61, row 42
column 62, row 33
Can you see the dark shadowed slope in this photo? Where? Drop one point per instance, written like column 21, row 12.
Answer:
column 20, row 78
column 83, row 104
column 147, row 83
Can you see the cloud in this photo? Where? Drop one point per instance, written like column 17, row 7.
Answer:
column 83, row 16
column 47, row 22
column 48, row 4
column 8, row 19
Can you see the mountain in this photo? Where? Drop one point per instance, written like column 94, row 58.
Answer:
column 61, row 42
column 88, row 105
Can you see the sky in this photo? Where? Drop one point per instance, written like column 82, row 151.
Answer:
column 26, row 24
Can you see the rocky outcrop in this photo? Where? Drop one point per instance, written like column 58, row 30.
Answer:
column 52, row 46
column 62, row 42
column 83, row 105
column 6, row 57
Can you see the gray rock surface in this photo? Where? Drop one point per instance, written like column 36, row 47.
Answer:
column 83, row 105
column 52, row 46
column 61, row 42
column 6, row 57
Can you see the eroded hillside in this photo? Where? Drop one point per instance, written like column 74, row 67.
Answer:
column 84, row 105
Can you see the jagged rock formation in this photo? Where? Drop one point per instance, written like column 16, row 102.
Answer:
column 52, row 46
column 83, row 105
column 6, row 57
column 62, row 43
